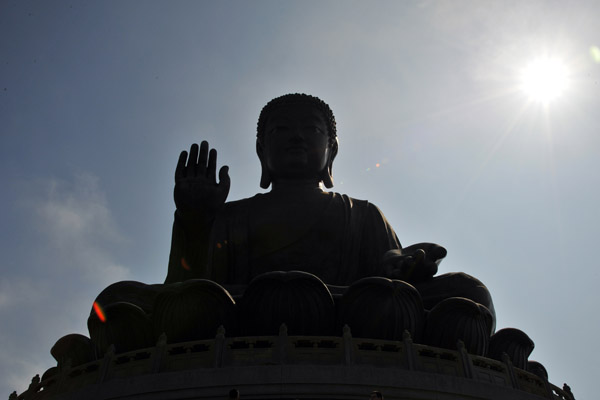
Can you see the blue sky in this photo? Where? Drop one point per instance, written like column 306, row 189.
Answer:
column 97, row 99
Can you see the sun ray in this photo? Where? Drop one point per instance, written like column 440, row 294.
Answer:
column 477, row 172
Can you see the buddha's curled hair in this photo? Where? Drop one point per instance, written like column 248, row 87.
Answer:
column 293, row 99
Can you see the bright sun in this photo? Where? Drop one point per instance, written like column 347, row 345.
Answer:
column 544, row 79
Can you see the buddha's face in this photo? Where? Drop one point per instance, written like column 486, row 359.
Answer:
column 296, row 143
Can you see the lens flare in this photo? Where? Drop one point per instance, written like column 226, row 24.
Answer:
column 99, row 312
column 595, row 54
column 184, row 264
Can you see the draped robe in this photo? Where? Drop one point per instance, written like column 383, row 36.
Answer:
column 341, row 242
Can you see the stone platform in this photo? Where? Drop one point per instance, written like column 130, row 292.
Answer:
column 292, row 367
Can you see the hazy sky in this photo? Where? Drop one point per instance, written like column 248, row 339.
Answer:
column 97, row 99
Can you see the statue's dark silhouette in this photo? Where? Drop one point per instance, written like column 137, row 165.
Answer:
column 297, row 225
column 283, row 254
column 297, row 260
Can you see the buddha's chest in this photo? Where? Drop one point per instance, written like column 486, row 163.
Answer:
column 294, row 229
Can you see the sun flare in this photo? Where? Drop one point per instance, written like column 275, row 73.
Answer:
column 545, row 79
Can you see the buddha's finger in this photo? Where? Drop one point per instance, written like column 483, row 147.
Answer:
column 192, row 161
column 211, row 173
column 419, row 255
column 180, row 169
column 203, row 156
column 224, row 179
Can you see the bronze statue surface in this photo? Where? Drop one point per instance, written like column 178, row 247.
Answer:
column 297, row 225
column 313, row 259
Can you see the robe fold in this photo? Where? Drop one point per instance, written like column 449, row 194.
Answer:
column 344, row 242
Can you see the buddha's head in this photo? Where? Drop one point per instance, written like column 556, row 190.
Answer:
column 296, row 140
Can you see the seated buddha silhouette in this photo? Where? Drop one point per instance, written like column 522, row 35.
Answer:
column 297, row 225
column 297, row 230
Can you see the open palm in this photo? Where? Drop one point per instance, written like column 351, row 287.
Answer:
column 196, row 189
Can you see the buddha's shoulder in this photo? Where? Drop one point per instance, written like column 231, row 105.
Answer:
column 362, row 209
column 336, row 200
column 353, row 202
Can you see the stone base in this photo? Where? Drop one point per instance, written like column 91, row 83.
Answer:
column 292, row 367
column 297, row 382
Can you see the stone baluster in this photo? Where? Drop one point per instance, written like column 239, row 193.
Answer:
column 348, row 346
column 158, row 354
column 33, row 388
column 282, row 344
column 219, row 346
column 409, row 350
column 511, row 370
column 106, row 363
column 465, row 359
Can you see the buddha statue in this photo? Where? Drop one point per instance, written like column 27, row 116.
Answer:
column 297, row 260
column 297, row 252
column 297, row 225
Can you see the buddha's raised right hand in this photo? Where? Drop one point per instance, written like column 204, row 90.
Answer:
column 197, row 193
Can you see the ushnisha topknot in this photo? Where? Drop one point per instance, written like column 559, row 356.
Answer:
column 296, row 98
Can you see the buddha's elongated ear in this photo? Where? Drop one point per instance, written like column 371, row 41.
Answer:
column 327, row 175
column 265, row 177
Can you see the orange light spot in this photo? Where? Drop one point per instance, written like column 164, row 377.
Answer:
column 377, row 165
column 184, row 264
column 99, row 312
column 219, row 245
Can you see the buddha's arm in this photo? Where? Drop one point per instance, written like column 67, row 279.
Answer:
column 415, row 263
column 190, row 244
column 378, row 237
column 198, row 198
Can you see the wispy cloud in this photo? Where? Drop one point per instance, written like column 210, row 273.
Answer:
column 70, row 259
column 77, row 226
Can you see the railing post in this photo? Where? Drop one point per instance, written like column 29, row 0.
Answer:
column 282, row 344
column 511, row 370
column 409, row 350
column 106, row 363
column 62, row 374
column 348, row 346
column 33, row 388
column 158, row 354
column 219, row 346
column 465, row 359
column 548, row 389
column 567, row 390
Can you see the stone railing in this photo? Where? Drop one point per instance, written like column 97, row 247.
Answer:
column 224, row 352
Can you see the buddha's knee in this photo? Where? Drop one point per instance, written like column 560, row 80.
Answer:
column 137, row 293
column 299, row 300
column 459, row 319
column 471, row 288
column 382, row 308
column 455, row 284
